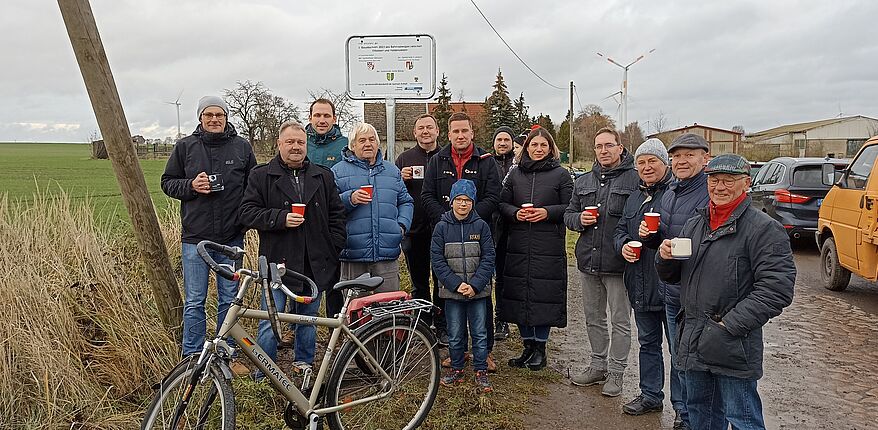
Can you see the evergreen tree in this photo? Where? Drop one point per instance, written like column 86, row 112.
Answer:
column 442, row 111
column 520, row 119
column 498, row 110
column 545, row 121
column 563, row 139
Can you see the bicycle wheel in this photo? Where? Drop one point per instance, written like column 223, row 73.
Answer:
column 211, row 406
column 406, row 352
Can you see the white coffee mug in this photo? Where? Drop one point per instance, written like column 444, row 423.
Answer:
column 681, row 248
column 417, row 172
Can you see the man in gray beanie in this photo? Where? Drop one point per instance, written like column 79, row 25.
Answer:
column 641, row 280
column 503, row 155
column 207, row 171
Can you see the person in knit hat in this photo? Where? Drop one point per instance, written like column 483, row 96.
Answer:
column 462, row 255
column 209, row 202
column 504, row 156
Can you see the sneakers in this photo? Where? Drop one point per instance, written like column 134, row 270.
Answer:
column 591, row 376
column 641, row 405
column 446, row 363
column 453, row 376
column 501, row 332
column 482, row 381
column 492, row 365
column 239, row 368
column 679, row 424
column 613, row 386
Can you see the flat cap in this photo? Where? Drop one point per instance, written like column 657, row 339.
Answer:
column 732, row 164
column 689, row 141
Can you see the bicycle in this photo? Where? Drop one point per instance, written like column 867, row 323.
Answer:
column 390, row 357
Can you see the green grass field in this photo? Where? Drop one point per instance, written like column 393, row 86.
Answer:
column 27, row 169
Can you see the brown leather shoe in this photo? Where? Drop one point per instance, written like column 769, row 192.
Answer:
column 446, row 363
column 492, row 365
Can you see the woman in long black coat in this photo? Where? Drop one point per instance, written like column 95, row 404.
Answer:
column 535, row 272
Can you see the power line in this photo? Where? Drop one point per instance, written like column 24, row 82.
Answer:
column 512, row 50
column 577, row 99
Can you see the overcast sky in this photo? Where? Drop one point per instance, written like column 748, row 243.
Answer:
column 753, row 63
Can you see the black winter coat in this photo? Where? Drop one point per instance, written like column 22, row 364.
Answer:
column 608, row 189
column 535, row 271
column 320, row 238
column 641, row 280
column 417, row 156
column 211, row 216
column 441, row 174
column 741, row 274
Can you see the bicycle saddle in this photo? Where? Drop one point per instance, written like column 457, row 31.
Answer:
column 364, row 282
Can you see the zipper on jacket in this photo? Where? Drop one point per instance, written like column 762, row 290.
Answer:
column 463, row 253
column 373, row 214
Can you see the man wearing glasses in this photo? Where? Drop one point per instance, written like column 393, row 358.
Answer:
column 689, row 155
column 207, row 172
column 594, row 210
column 739, row 275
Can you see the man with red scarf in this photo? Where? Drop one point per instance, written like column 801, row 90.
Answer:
column 461, row 159
column 740, row 274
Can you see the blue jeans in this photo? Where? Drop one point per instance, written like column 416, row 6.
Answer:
column 539, row 333
column 195, row 276
column 652, row 363
column 678, row 381
column 306, row 335
column 716, row 401
column 458, row 315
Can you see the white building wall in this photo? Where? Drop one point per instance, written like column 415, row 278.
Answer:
column 857, row 128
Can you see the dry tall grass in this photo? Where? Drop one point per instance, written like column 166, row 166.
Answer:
column 80, row 340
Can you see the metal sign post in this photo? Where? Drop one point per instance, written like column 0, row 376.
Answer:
column 391, row 67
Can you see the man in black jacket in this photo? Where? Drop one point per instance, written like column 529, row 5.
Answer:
column 641, row 280
column 309, row 243
column 207, row 172
column 504, row 157
column 604, row 190
column 461, row 159
column 739, row 275
column 416, row 243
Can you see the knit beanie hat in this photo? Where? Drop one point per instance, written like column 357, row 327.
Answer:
column 208, row 101
column 652, row 147
column 502, row 129
column 463, row 187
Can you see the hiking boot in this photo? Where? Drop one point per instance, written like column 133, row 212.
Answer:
column 537, row 360
column 591, row 376
column 482, row 382
column 525, row 354
column 679, row 424
column 501, row 332
column 453, row 376
column 492, row 365
column 446, row 363
column 641, row 405
column 238, row 368
column 442, row 337
column 613, row 386
column 286, row 341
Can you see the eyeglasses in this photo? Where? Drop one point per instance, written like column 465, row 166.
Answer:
column 727, row 182
column 599, row 148
column 213, row 115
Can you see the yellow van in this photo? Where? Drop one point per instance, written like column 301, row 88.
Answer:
column 847, row 230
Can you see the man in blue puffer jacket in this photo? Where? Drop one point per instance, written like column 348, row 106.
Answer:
column 376, row 219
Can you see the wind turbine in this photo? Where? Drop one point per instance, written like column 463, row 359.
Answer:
column 177, row 103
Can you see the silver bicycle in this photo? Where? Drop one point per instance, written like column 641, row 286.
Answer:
column 385, row 375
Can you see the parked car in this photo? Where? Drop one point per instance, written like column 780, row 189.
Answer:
column 755, row 166
column 847, row 230
column 791, row 191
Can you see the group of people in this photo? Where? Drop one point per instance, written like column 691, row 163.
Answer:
column 489, row 229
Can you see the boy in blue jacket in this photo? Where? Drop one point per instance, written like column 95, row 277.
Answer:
column 462, row 255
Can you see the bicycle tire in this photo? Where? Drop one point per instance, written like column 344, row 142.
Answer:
column 213, row 399
column 407, row 354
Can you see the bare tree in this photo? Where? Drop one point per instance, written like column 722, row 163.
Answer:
column 659, row 123
column 244, row 105
column 345, row 113
column 739, row 129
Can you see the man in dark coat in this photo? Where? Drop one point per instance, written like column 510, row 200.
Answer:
column 207, row 172
column 504, row 157
column 461, row 159
column 641, row 279
column 309, row 243
column 740, row 274
column 416, row 243
column 605, row 190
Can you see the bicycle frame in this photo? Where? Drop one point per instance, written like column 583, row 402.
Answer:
column 231, row 328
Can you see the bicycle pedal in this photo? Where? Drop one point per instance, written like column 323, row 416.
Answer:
column 306, row 379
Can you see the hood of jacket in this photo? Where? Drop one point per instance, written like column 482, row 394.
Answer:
column 323, row 139
column 348, row 155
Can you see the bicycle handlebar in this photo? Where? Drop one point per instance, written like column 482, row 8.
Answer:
column 233, row 252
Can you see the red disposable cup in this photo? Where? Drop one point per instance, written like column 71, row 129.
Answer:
column 652, row 221
column 593, row 210
column 527, row 205
column 636, row 247
column 298, row 208
column 368, row 189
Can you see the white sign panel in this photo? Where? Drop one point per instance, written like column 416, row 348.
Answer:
column 399, row 67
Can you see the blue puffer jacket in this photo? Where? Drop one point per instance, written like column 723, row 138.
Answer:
column 463, row 251
column 373, row 229
column 325, row 149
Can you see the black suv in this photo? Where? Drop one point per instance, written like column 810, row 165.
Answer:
column 791, row 190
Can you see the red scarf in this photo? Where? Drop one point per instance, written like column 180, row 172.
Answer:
column 720, row 213
column 460, row 158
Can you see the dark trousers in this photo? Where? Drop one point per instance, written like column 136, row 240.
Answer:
column 417, row 259
column 500, row 262
column 334, row 302
column 650, row 328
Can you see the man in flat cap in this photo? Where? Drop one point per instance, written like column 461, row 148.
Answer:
column 207, row 172
column 739, row 275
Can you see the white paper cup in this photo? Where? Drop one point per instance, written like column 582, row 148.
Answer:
column 681, row 248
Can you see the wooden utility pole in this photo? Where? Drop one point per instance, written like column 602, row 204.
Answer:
column 104, row 96
column 570, row 125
